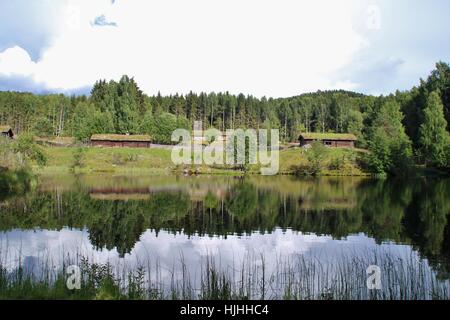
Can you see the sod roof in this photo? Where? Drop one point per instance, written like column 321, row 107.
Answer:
column 4, row 129
column 329, row 136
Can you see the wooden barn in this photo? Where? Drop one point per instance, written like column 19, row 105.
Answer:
column 120, row 140
column 333, row 140
column 6, row 131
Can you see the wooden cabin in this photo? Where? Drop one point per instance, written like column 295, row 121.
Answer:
column 333, row 140
column 6, row 131
column 120, row 140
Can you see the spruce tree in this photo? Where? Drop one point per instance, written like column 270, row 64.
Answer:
column 389, row 145
column 433, row 135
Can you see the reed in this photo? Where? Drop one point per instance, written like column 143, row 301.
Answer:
column 302, row 277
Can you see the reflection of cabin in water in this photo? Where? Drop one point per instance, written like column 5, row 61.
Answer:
column 200, row 194
column 121, row 140
column 120, row 194
column 330, row 204
column 333, row 140
column 6, row 131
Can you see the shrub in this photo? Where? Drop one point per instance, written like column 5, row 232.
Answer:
column 317, row 155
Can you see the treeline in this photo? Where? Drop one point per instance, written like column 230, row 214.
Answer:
column 398, row 128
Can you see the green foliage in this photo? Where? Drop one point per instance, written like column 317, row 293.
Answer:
column 123, row 101
column 355, row 125
column 27, row 149
column 81, row 127
column 211, row 201
column 79, row 155
column 316, row 155
column 243, row 201
column 14, row 182
column 447, row 152
column 160, row 127
column 439, row 80
column 390, row 147
column 121, row 107
column 42, row 127
column 337, row 163
column 7, row 156
column 433, row 136
column 122, row 159
column 89, row 121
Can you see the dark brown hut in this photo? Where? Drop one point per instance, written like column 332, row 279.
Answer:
column 119, row 140
column 334, row 140
column 6, row 131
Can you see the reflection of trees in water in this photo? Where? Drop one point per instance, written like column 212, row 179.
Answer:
column 383, row 208
column 427, row 221
column 408, row 212
column 120, row 226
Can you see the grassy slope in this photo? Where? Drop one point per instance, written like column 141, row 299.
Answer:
column 348, row 158
column 126, row 160
column 158, row 161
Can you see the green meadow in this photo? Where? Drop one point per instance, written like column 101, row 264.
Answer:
column 154, row 161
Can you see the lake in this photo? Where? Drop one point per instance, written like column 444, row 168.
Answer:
column 256, row 237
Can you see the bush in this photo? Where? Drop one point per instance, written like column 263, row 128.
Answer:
column 27, row 149
column 337, row 163
column 122, row 159
column 316, row 155
column 161, row 126
column 79, row 155
column 16, row 154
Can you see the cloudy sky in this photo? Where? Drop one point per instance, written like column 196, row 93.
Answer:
column 274, row 48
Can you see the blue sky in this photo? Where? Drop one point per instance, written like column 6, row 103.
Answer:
column 260, row 47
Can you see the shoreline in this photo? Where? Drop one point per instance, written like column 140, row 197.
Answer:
column 157, row 161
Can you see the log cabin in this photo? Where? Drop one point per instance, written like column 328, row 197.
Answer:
column 6, row 131
column 333, row 140
column 121, row 140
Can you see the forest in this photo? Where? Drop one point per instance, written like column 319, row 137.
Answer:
column 400, row 129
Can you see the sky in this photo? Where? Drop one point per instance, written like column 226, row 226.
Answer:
column 274, row 48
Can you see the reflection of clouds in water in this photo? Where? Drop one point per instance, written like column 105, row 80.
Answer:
column 48, row 246
column 167, row 250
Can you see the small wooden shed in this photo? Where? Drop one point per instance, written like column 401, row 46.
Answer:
column 334, row 140
column 6, row 131
column 121, row 140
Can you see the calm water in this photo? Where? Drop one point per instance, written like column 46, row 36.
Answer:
column 174, row 225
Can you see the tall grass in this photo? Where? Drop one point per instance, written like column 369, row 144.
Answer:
column 301, row 277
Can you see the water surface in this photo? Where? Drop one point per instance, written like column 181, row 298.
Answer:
column 256, row 225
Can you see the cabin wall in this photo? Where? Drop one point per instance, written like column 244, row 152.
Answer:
column 345, row 144
column 330, row 143
column 8, row 134
column 120, row 144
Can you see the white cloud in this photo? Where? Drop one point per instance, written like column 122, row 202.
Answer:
column 275, row 48
column 16, row 61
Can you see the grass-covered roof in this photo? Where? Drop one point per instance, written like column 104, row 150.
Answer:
column 4, row 129
column 329, row 136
